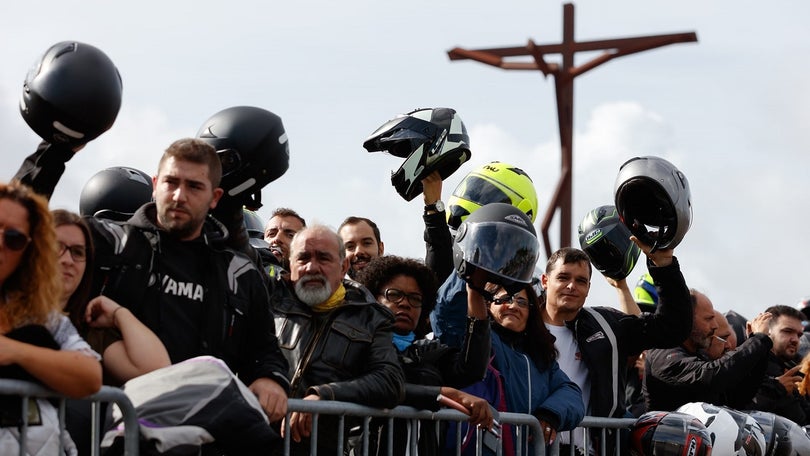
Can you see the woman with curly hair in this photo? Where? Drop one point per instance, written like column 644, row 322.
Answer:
column 432, row 370
column 37, row 341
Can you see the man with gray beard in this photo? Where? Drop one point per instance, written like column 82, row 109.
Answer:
column 335, row 336
column 676, row 376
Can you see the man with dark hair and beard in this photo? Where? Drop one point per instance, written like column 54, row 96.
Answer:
column 335, row 336
column 361, row 241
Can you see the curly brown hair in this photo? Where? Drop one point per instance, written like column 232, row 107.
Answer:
column 33, row 290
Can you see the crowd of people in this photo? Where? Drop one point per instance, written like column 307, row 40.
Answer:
column 316, row 313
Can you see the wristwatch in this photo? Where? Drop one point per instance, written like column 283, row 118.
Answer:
column 438, row 206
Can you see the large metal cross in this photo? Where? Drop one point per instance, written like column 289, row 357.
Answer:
column 564, row 75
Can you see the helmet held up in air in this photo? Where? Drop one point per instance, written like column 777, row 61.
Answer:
column 115, row 193
column 72, row 94
column 252, row 145
column 500, row 240
column 429, row 139
column 494, row 182
column 606, row 241
column 654, row 201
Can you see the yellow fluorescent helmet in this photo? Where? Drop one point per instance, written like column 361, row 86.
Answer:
column 494, row 182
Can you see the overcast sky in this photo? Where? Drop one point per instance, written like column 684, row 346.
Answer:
column 731, row 111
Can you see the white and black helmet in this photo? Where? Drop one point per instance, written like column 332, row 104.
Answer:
column 430, row 139
column 654, row 202
column 500, row 240
column 734, row 433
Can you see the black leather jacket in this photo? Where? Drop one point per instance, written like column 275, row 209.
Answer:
column 346, row 354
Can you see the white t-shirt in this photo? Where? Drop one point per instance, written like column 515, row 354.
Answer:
column 570, row 361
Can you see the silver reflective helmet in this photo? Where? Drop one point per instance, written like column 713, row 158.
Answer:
column 654, row 201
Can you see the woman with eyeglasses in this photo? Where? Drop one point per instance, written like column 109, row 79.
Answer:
column 127, row 346
column 433, row 371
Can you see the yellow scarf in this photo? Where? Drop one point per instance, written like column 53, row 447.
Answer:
column 333, row 302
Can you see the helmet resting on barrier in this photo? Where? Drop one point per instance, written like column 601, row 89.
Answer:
column 654, row 201
column 500, row 240
column 252, row 145
column 660, row 433
column 72, row 94
column 735, row 433
column 430, row 139
column 494, row 182
column 606, row 241
column 115, row 193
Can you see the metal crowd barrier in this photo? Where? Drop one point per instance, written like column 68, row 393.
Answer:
column 27, row 390
column 524, row 425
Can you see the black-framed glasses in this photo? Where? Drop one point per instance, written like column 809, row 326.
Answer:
column 508, row 299
column 77, row 252
column 14, row 239
column 396, row 296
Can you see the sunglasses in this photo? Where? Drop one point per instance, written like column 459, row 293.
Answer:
column 14, row 239
column 77, row 252
column 396, row 296
column 508, row 299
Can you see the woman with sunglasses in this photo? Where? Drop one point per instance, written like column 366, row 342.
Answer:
column 37, row 342
column 524, row 354
column 432, row 370
column 495, row 253
column 127, row 346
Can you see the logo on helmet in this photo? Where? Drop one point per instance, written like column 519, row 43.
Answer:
column 593, row 236
column 692, row 447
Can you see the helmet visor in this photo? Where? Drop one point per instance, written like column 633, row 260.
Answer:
column 507, row 251
column 399, row 132
column 231, row 161
column 482, row 191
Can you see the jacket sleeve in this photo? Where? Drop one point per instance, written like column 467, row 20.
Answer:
column 449, row 318
column 671, row 323
column 438, row 245
column 563, row 408
column 422, row 397
column 382, row 384
column 468, row 364
column 43, row 169
column 725, row 373
column 265, row 358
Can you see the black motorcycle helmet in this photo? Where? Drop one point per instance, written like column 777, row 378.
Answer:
column 72, row 94
column 253, row 147
column 501, row 240
column 115, row 193
column 658, row 433
column 654, row 201
column 606, row 240
column 429, row 140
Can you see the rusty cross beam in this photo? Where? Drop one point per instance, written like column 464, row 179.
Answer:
column 564, row 74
